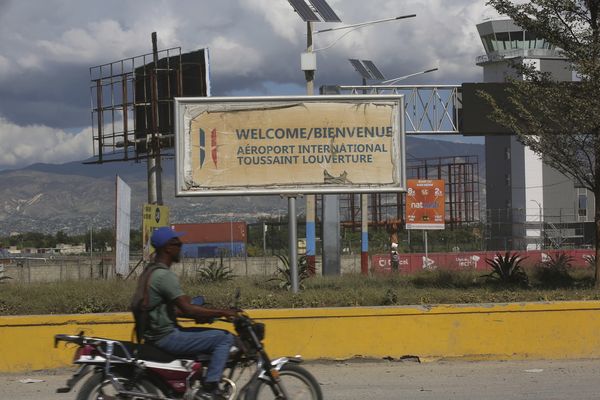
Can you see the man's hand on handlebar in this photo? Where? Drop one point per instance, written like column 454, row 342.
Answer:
column 230, row 314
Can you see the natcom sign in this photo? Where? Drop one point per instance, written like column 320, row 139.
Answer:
column 425, row 204
column 308, row 144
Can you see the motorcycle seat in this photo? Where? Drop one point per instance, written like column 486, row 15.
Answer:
column 150, row 352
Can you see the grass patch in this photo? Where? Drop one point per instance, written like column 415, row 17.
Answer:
column 429, row 287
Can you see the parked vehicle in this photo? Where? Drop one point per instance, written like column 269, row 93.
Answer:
column 117, row 369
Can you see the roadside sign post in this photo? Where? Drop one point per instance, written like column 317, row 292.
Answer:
column 425, row 208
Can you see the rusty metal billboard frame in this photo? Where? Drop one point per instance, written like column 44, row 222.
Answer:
column 181, row 146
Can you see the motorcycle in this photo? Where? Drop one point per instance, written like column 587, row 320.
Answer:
column 117, row 369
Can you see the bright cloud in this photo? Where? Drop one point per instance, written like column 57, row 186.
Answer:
column 233, row 57
column 24, row 145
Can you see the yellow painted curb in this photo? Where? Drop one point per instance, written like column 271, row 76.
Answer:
column 552, row 330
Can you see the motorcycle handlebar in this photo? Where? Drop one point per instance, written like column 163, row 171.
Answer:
column 77, row 339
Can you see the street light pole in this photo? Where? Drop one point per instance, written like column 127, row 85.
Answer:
column 309, row 73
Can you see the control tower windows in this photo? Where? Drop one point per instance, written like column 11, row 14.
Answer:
column 529, row 40
column 516, row 39
column 488, row 43
column 503, row 41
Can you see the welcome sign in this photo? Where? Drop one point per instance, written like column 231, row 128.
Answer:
column 309, row 144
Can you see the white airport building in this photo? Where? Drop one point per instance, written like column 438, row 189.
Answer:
column 529, row 204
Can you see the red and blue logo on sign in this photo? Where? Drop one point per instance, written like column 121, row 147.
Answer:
column 213, row 146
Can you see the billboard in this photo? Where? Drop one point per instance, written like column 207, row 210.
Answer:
column 185, row 75
column 307, row 144
column 425, row 204
column 153, row 216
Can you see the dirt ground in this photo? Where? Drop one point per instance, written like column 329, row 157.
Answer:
column 380, row 379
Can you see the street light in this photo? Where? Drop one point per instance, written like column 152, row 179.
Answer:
column 541, row 224
column 393, row 81
column 308, row 64
column 368, row 70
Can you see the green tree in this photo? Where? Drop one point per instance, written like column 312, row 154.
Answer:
column 103, row 238
column 62, row 237
column 135, row 240
column 560, row 121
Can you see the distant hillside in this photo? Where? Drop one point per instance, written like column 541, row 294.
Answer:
column 74, row 196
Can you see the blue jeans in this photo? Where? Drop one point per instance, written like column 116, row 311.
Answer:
column 195, row 341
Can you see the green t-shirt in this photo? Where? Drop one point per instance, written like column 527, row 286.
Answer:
column 164, row 289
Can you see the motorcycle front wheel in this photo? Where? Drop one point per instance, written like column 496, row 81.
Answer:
column 297, row 383
column 97, row 387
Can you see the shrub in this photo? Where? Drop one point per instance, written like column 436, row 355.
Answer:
column 507, row 269
column 590, row 261
column 390, row 297
column 283, row 275
column 554, row 271
column 214, row 272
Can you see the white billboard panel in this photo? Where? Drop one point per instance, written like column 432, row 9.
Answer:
column 308, row 144
column 123, row 227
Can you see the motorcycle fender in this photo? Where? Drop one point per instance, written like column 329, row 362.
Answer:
column 278, row 363
column 77, row 376
column 281, row 361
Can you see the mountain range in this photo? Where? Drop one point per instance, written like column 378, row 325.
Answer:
column 74, row 196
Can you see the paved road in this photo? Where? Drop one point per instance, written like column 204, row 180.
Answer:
column 394, row 380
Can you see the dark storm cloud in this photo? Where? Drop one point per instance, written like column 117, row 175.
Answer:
column 55, row 97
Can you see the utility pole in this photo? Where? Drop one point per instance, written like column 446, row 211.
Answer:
column 153, row 139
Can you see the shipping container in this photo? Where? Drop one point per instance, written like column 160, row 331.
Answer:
column 213, row 250
column 219, row 232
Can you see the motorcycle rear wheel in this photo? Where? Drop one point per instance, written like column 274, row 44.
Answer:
column 299, row 384
column 96, row 387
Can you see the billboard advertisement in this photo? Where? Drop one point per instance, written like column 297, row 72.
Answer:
column 308, row 144
column 425, row 204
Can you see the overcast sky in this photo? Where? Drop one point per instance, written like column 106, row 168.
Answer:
column 48, row 46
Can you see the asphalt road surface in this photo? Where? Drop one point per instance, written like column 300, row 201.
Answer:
column 358, row 379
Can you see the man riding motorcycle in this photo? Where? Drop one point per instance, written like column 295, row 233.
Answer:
column 159, row 300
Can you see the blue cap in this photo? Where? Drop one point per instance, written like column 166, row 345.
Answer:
column 162, row 235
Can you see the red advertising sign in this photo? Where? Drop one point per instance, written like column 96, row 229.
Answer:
column 425, row 204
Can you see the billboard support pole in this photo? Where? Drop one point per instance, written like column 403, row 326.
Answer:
column 331, row 234
column 364, row 237
column 293, row 243
column 153, row 143
column 311, row 240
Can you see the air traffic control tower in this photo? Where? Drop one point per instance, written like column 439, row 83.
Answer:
column 530, row 205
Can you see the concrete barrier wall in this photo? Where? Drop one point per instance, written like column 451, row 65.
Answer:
column 554, row 330
column 78, row 268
